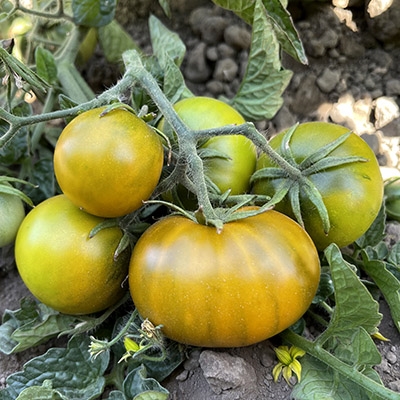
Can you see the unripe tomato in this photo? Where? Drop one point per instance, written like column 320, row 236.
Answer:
column 233, row 172
column 62, row 266
column 235, row 288
column 352, row 193
column 11, row 215
column 108, row 165
column 392, row 199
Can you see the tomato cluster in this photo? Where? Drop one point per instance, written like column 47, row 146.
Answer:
column 206, row 287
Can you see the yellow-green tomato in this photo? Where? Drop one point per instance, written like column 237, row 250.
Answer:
column 108, row 165
column 234, row 288
column 11, row 215
column 234, row 171
column 65, row 268
column 352, row 193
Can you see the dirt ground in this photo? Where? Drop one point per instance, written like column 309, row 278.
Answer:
column 348, row 67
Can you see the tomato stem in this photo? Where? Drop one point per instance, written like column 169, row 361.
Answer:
column 339, row 366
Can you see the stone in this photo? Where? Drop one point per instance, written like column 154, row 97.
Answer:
column 386, row 111
column 226, row 70
column 197, row 69
column 307, row 97
column 385, row 27
column 197, row 18
column 351, row 48
column 237, row 36
column 393, row 87
column 225, row 372
column 328, row 80
column 212, row 29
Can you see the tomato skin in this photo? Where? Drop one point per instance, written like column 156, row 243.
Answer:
column 12, row 213
column 201, row 113
column 246, row 284
column 62, row 266
column 352, row 193
column 108, row 165
column 392, row 199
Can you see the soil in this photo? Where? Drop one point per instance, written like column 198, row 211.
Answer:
column 353, row 78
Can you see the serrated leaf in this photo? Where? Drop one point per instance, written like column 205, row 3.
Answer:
column 165, row 42
column 32, row 324
column 169, row 50
column 260, row 93
column 44, row 392
column 114, row 40
column 355, row 307
column 137, row 383
column 46, row 66
column 93, row 13
column 320, row 382
column 166, row 7
column 70, row 370
column 279, row 19
column 375, row 233
column 388, row 284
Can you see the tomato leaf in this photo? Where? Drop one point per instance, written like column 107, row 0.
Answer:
column 388, row 284
column 46, row 66
column 169, row 51
column 137, row 383
column 114, row 40
column 44, row 392
column 318, row 381
column 279, row 19
column 71, row 371
column 355, row 307
column 32, row 324
column 375, row 233
column 93, row 13
column 260, row 93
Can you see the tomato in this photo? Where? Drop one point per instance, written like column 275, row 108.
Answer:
column 235, row 288
column 392, row 198
column 352, row 193
column 62, row 266
column 11, row 215
column 233, row 172
column 108, row 165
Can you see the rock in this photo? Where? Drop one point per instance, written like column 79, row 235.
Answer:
column 329, row 39
column 307, row 97
column 392, row 87
column 197, row 18
column 328, row 80
column 224, row 372
column 226, row 70
column 197, row 70
column 237, row 37
column 283, row 119
column 385, row 27
column 386, row 111
column 350, row 48
column 212, row 29
column 373, row 141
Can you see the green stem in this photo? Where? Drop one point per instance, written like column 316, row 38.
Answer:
column 341, row 367
column 39, row 128
column 186, row 139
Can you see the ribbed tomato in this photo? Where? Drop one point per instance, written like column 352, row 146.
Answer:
column 235, row 288
column 352, row 193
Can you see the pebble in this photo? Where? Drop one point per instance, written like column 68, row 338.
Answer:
column 197, row 70
column 237, row 36
column 226, row 70
column 328, row 80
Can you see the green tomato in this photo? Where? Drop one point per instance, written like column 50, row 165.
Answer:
column 392, row 199
column 108, row 165
column 65, row 268
column 352, row 193
column 12, row 213
column 233, row 170
column 234, row 288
